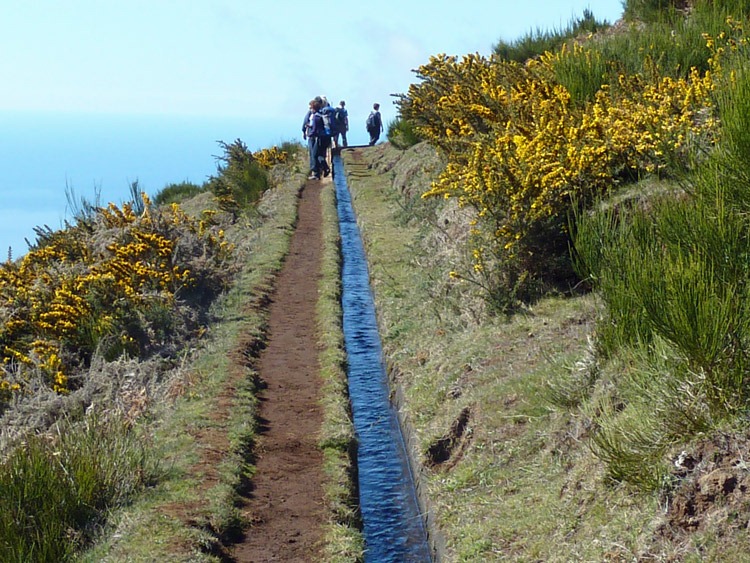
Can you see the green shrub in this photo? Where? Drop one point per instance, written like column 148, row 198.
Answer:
column 241, row 180
column 667, row 272
column 657, row 404
column 674, row 42
column 177, row 193
column 583, row 74
column 401, row 134
column 673, row 275
column 540, row 41
column 664, row 11
column 651, row 10
column 82, row 210
column 248, row 184
column 292, row 148
column 726, row 172
column 54, row 491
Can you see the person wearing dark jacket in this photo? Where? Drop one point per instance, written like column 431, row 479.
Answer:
column 374, row 124
column 320, row 142
column 342, row 125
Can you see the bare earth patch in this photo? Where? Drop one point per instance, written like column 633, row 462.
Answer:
column 715, row 486
column 285, row 505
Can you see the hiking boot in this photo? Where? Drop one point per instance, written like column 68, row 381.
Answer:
column 313, row 177
column 326, row 172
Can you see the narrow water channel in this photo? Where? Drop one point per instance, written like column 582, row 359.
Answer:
column 393, row 526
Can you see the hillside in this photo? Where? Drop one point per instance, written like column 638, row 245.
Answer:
column 599, row 187
column 509, row 474
column 558, row 250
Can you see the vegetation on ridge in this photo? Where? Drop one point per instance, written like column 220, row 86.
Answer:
column 566, row 406
column 527, row 143
column 658, row 391
column 97, row 320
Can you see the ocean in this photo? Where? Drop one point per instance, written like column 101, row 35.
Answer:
column 46, row 157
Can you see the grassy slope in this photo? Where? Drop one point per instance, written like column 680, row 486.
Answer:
column 182, row 519
column 154, row 528
column 517, row 481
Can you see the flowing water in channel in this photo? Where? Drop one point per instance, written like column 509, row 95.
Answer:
column 393, row 527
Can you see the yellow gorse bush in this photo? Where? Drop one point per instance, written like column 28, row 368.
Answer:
column 521, row 152
column 71, row 291
column 730, row 50
column 269, row 157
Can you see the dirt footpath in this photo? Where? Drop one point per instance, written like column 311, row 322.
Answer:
column 285, row 505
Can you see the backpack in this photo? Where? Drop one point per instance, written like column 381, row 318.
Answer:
column 327, row 113
column 340, row 116
column 371, row 122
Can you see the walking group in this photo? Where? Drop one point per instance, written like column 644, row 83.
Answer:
column 322, row 127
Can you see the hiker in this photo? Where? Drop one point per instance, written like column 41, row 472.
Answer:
column 320, row 142
column 306, row 125
column 374, row 124
column 306, row 128
column 341, row 118
column 329, row 120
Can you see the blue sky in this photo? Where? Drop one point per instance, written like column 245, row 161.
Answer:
column 98, row 93
column 244, row 58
